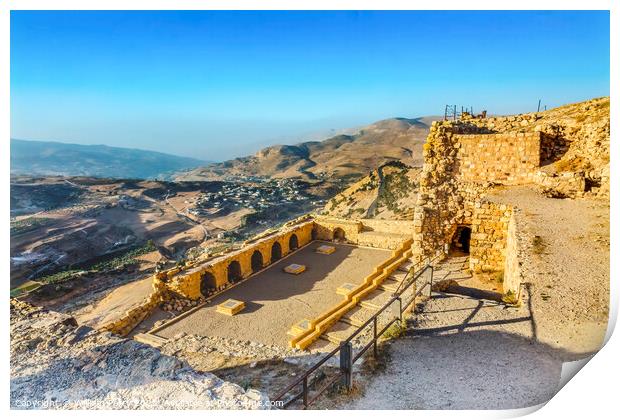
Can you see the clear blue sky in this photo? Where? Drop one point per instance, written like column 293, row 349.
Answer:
column 215, row 85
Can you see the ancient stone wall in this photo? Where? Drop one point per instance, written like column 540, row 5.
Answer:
column 136, row 314
column 443, row 198
column 489, row 233
column 506, row 158
column 219, row 273
column 388, row 226
column 385, row 234
column 562, row 152
column 574, row 139
column 463, row 160
column 203, row 278
column 565, row 184
column 326, row 228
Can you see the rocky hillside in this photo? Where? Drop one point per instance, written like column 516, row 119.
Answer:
column 581, row 134
column 55, row 364
column 340, row 156
column 389, row 192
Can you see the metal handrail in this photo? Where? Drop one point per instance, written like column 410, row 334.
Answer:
column 303, row 380
column 429, row 261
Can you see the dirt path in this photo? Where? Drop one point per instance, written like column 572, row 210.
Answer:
column 463, row 353
column 567, row 267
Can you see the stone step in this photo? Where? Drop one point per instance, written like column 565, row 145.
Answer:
column 376, row 299
column 397, row 275
column 339, row 332
column 358, row 316
column 150, row 339
column 390, row 285
column 406, row 266
column 322, row 346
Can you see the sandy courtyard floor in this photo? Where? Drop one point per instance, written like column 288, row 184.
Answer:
column 275, row 300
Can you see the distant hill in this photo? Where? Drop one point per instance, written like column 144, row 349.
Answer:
column 344, row 155
column 54, row 158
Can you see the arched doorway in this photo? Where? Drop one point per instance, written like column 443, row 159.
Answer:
column 339, row 234
column 276, row 251
column 234, row 272
column 293, row 243
column 207, row 284
column 461, row 238
column 257, row 261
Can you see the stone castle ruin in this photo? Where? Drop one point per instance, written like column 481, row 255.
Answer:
column 562, row 152
column 466, row 159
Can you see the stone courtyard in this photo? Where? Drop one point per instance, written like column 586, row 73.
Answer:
column 275, row 300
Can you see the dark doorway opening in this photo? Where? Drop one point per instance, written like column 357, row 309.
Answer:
column 234, row 272
column 207, row 284
column 339, row 234
column 461, row 239
column 314, row 234
column 276, row 251
column 257, row 261
column 592, row 183
column 293, row 242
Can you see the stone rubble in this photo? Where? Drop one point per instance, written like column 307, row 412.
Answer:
column 228, row 347
column 56, row 364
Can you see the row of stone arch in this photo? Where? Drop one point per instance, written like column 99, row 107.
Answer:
column 234, row 272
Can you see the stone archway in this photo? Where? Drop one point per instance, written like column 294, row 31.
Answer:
column 314, row 234
column 339, row 234
column 293, row 242
column 276, row 251
column 256, row 261
column 207, row 283
column 233, row 272
column 461, row 239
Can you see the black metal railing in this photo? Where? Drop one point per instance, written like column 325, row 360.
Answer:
column 347, row 359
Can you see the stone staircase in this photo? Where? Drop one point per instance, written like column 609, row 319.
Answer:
column 362, row 312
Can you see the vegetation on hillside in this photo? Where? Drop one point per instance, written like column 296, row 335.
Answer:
column 19, row 227
column 114, row 261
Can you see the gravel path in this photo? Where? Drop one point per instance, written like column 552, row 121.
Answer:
column 567, row 266
column 464, row 353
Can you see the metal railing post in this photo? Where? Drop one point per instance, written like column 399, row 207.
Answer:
column 305, row 385
column 375, row 337
column 346, row 356
column 430, row 289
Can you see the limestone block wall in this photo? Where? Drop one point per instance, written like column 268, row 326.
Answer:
column 381, row 240
column 574, row 138
column 326, row 227
column 188, row 283
column 565, row 184
column 445, row 194
column 506, row 158
column 489, row 234
column 203, row 278
column 388, row 226
column 462, row 160
column 138, row 313
column 385, row 234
